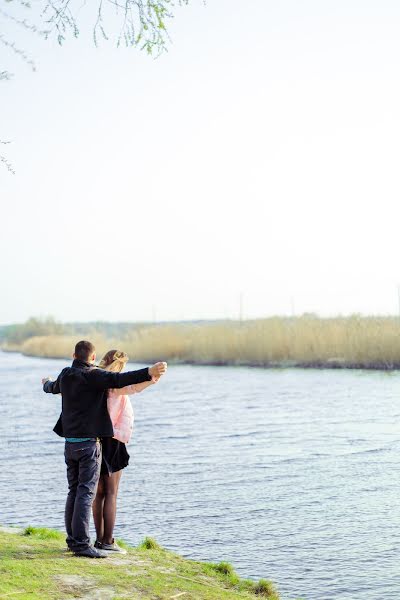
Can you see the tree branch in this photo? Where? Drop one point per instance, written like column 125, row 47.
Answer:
column 5, row 161
column 140, row 23
column 143, row 22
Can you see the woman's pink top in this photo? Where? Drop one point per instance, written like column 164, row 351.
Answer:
column 121, row 411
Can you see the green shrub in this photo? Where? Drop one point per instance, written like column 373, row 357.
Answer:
column 43, row 533
column 228, row 572
column 149, row 544
column 266, row 588
column 225, row 568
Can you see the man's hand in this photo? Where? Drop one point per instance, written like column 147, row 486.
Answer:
column 44, row 379
column 158, row 369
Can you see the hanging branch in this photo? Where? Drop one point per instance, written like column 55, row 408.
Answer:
column 139, row 23
column 5, row 161
column 142, row 22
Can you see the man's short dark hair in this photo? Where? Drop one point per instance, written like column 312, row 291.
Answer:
column 84, row 350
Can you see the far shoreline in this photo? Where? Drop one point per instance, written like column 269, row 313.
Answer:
column 332, row 364
column 305, row 342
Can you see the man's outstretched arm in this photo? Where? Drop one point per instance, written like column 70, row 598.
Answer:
column 105, row 380
column 51, row 387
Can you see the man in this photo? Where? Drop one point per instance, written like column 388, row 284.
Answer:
column 84, row 419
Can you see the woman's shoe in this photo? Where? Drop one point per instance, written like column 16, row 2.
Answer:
column 113, row 547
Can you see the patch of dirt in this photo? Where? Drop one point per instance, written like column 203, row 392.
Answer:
column 129, row 561
column 136, row 573
column 118, row 561
column 99, row 594
column 164, row 570
column 83, row 587
column 133, row 594
column 75, row 582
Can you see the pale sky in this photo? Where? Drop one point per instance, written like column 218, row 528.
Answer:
column 259, row 155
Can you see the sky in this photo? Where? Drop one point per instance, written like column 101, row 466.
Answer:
column 255, row 163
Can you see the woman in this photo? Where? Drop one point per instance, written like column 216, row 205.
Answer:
column 115, row 456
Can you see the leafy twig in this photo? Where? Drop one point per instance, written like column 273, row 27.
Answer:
column 5, row 161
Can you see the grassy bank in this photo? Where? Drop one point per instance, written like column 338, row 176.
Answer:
column 34, row 564
column 307, row 341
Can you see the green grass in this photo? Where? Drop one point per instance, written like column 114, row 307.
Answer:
column 262, row 588
column 265, row 588
column 123, row 544
column 44, row 534
column 35, row 565
column 149, row 544
column 224, row 568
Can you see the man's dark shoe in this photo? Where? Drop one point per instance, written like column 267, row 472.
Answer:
column 91, row 553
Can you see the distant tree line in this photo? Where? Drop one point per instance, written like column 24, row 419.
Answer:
column 16, row 334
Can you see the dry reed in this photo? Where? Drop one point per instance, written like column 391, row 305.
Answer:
column 361, row 342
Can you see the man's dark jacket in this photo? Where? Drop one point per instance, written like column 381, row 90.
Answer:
column 84, row 398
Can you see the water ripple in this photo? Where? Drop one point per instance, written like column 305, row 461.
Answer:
column 290, row 475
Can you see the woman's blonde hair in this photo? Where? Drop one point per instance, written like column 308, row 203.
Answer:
column 114, row 360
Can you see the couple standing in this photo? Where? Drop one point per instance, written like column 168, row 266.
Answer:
column 96, row 421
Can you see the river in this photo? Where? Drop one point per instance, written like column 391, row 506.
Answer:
column 289, row 474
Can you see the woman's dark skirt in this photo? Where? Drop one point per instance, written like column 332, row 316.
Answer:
column 114, row 456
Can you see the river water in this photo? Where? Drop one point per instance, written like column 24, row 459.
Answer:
column 289, row 474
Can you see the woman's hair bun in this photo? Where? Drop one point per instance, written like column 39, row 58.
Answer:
column 120, row 356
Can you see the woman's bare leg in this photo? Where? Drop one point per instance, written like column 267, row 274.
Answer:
column 111, row 484
column 98, row 508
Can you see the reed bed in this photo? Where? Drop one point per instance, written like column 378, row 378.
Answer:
column 307, row 341
column 54, row 346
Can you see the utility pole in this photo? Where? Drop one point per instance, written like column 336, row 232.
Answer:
column 241, row 306
column 398, row 298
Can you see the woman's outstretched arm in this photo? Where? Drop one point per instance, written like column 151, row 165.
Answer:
column 135, row 388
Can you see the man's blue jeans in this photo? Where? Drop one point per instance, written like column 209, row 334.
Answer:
column 83, row 460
